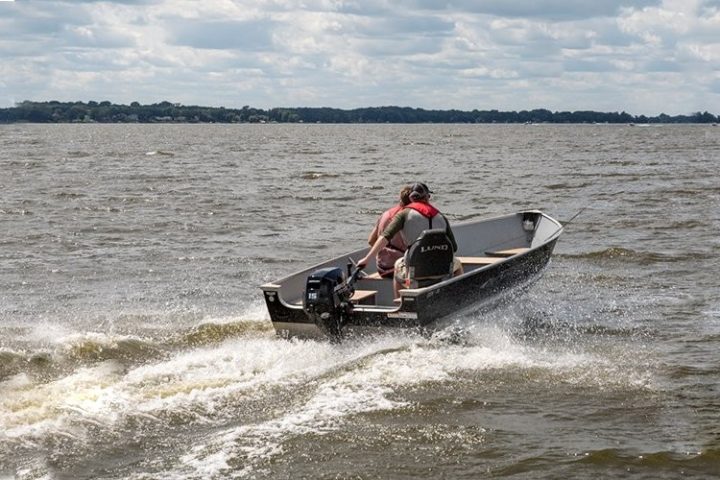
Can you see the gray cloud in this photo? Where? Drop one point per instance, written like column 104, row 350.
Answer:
column 547, row 9
column 29, row 27
column 710, row 4
column 400, row 25
column 247, row 35
column 98, row 38
column 398, row 36
column 399, row 47
column 662, row 65
column 609, row 34
column 714, row 87
column 595, row 65
column 23, row 21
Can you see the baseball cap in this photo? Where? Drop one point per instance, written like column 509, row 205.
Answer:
column 420, row 191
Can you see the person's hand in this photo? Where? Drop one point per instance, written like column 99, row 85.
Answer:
column 362, row 263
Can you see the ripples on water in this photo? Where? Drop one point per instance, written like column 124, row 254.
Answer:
column 134, row 344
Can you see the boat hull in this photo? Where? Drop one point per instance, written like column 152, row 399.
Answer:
column 425, row 307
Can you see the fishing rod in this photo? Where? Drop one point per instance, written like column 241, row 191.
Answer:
column 565, row 224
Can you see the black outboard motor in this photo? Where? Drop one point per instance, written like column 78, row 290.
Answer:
column 327, row 299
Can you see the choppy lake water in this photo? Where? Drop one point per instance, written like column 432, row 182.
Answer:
column 134, row 342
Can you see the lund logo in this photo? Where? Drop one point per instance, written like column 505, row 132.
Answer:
column 433, row 247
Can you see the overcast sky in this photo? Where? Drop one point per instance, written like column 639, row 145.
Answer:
column 644, row 57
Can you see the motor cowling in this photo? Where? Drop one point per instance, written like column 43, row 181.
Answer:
column 327, row 299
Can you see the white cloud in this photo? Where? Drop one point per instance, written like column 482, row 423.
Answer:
column 506, row 54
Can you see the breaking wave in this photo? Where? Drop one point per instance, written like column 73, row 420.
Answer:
column 73, row 350
column 252, row 393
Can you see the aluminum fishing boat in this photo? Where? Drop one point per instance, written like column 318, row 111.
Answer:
column 334, row 298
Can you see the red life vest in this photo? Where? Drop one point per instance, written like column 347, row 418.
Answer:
column 425, row 209
column 391, row 214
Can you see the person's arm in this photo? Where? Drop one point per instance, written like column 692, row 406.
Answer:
column 394, row 227
column 372, row 238
column 450, row 235
column 379, row 244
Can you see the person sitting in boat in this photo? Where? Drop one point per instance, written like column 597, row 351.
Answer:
column 395, row 248
column 418, row 216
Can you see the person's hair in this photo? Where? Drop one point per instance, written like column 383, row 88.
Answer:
column 405, row 195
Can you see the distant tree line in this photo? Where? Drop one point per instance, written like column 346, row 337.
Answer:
column 166, row 112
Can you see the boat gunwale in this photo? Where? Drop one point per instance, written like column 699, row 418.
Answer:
column 413, row 293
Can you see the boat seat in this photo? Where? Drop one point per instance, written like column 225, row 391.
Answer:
column 508, row 252
column 429, row 259
column 479, row 260
column 373, row 276
column 363, row 297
